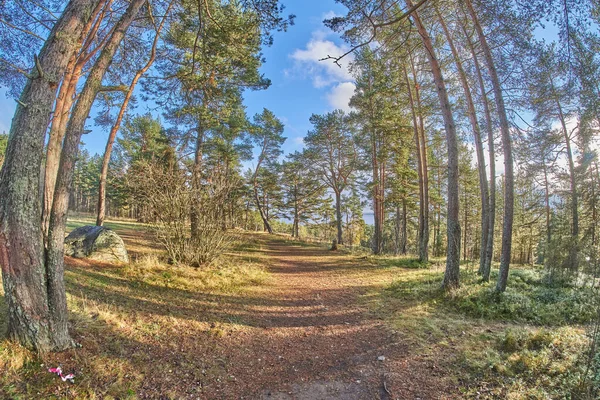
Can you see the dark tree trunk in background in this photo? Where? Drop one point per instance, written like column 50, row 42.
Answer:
column 31, row 317
column 451, row 276
column 338, row 216
column 197, row 183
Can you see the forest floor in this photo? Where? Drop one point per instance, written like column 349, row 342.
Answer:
column 277, row 319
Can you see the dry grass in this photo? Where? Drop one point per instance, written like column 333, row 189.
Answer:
column 126, row 317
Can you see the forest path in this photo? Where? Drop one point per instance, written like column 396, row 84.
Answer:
column 313, row 337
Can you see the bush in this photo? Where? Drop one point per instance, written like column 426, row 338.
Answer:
column 167, row 195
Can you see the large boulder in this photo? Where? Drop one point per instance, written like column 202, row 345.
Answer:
column 96, row 243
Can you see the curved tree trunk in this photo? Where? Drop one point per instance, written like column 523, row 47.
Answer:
column 117, row 125
column 451, row 276
column 60, row 205
column 32, row 315
column 483, row 182
column 489, row 254
column 509, row 180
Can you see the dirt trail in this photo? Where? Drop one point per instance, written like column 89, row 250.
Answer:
column 311, row 336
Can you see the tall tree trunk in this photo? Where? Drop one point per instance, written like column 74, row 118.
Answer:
column 338, row 216
column 31, row 319
column 397, row 230
column 377, row 223
column 466, row 220
column 547, row 209
column 117, row 125
column 64, row 102
column 574, row 247
column 509, row 186
column 197, row 183
column 417, row 137
column 451, row 276
column 404, row 239
column 296, row 228
column 60, row 205
column 424, row 232
column 489, row 254
column 483, row 183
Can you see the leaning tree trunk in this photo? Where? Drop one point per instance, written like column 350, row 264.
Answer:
column 26, row 290
column 58, row 217
column 115, row 128
column 489, row 254
column 483, row 183
column 64, row 102
column 451, row 276
column 509, row 185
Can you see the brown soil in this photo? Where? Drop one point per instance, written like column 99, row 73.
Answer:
column 311, row 337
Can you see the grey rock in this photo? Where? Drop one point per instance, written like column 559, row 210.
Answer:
column 96, row 243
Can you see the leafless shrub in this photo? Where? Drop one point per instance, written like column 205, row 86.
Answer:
column 167, row 195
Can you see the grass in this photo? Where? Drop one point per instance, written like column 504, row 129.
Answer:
column 126, row 317
column 528, row 343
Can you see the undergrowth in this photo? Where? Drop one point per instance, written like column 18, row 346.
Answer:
column 528, row 298
column 527, row 343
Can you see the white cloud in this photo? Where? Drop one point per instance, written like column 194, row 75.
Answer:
column 340, row 95
column 326, row 72
column 299, row 140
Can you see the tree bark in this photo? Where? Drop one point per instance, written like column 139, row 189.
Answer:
column 451, row 276
column 64, row 103
column 417, row 137
column 31, row 319
column 472, row 114
column 60, row 205
column 338, row 216
column 489, row 254
column 507, row 226
column 117, row 125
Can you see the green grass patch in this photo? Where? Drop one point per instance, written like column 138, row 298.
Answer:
column 527, row 343
column 525, row 363
column 528, row 298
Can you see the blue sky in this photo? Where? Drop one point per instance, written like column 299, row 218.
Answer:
column 301, row 85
